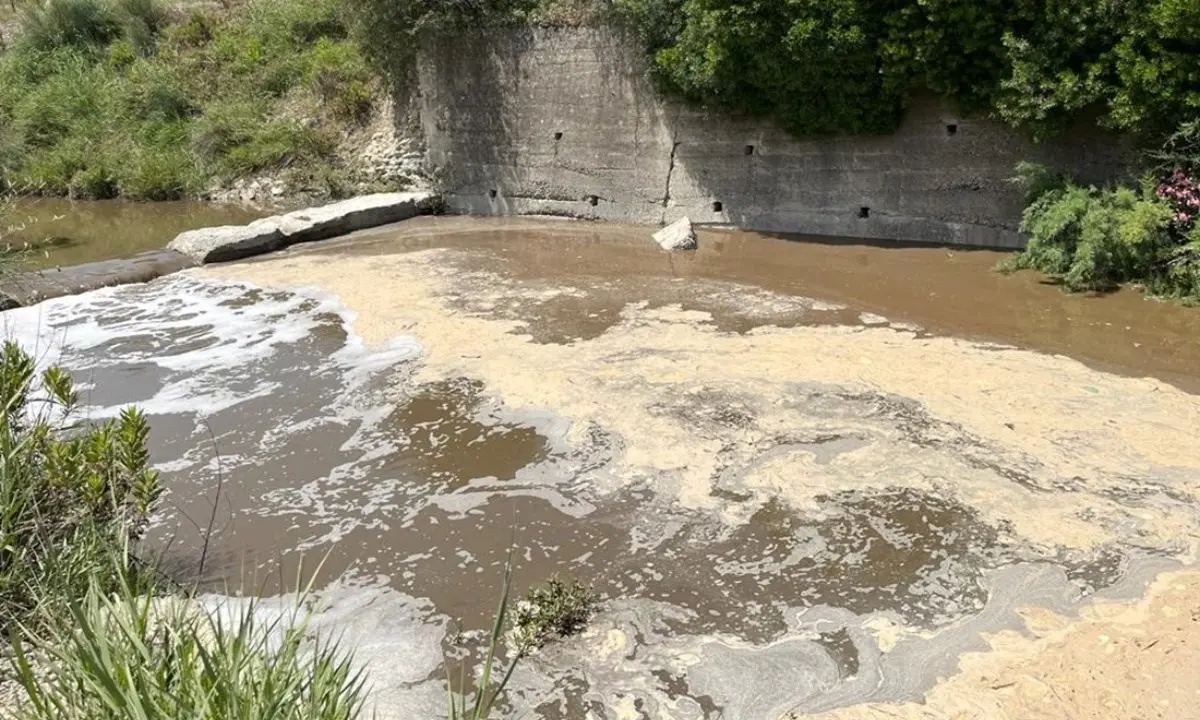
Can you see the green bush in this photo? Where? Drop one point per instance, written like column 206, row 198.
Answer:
column 550, row 611
column 1098, row 239
column 234, row 140
column 73, row 494
column 163, row 172
column 339, row 76
column 194, row 32
column 141, row 21
column 138, row 106
column 390, row 31
column 812, row 64
column 275, row 144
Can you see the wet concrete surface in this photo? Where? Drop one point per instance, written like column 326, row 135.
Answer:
column 32, row 287
column 765, row 540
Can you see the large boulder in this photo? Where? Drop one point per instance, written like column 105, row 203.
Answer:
column 679, row 235
column 229, row 242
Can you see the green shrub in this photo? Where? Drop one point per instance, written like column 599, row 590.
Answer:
column 158, row 172
column 50, row 24
column 275, row 144
column 141, row 22
column 223, row 126
column 389, row 31
column 120, row 55
column 352, row 101
column 850, row 65
column 813, row 64
column 194, row 32
column 1099, row 239
column 338, row 74
column 550, row 611
column 93, row 181
column 53, row 170
column 73, row 494
column 1180, row 151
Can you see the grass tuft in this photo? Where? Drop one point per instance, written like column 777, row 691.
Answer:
column 126, row 654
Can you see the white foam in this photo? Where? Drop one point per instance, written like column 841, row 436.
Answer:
column 204, row 336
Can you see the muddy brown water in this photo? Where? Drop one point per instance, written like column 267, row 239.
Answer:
column 307, row 448
column 62, row 232
column 946, row 291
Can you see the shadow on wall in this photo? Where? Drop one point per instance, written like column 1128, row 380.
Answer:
column 565, row 122
column 537, row 121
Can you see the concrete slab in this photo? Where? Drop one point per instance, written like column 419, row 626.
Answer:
column 235, row 242
column 34, row 287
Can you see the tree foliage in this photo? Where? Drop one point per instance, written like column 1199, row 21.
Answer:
column 850, row 65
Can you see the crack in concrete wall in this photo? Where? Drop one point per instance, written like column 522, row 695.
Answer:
column 666, row 201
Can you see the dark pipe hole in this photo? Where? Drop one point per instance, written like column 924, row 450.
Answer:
column 593, row 200
column 864, row 212
column 492, row 194
column 951, row 129
column 558, row 136
column 749, row 149
column 718, row 207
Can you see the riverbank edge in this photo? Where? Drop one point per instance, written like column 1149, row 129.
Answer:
column 224, row 243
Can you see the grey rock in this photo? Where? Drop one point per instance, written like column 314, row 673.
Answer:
column 229, row 242
column 679, row 235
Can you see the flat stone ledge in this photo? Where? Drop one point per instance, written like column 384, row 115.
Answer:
column 29, row 288
column 236, row 242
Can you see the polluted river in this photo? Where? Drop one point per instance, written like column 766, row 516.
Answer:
column 814, row 478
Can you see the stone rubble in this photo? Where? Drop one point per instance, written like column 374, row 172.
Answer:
column 679, row 235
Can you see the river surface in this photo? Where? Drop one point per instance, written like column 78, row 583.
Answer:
column 62, row 232
column 804, row 475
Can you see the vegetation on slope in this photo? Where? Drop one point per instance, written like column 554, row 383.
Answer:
column 106, row 98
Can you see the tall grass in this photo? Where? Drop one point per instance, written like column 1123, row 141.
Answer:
column 478, row 700
column 129, row 655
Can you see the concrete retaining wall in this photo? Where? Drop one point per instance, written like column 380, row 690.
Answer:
column 564, row 122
